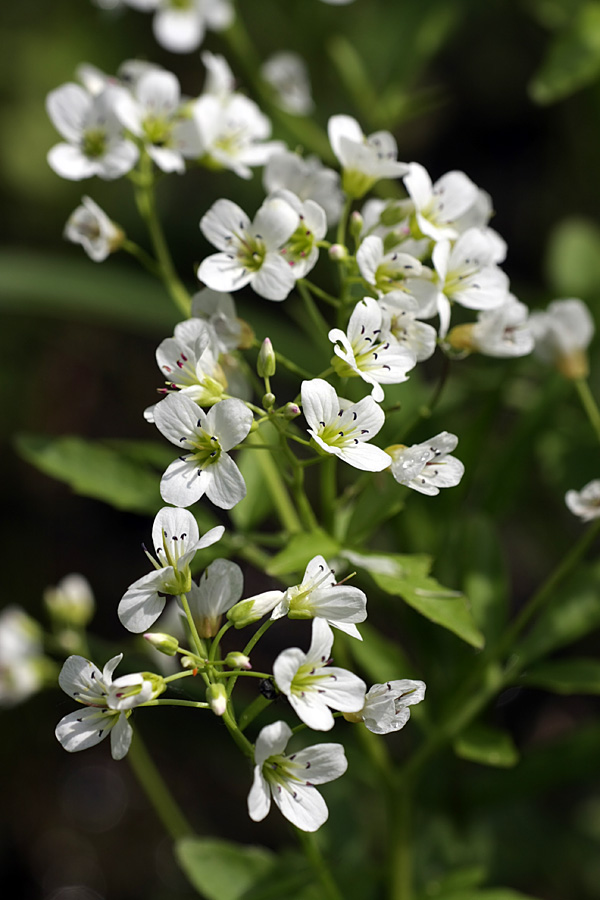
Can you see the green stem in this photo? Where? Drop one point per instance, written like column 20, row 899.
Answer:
column 400, row 859
column 589, row 404
column 322, row 295
column 146, row 203
column 320, row 328
column 315, row 857
column 142, row 257
column 240, row 739
column 215, row 644
column 156, row 790
column 257, row 706
column 194, row 704
column 291, row 366
column 249, row 647
column 198, row 642
column 329, row 492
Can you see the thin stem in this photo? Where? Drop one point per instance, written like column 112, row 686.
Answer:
column 322, row 295
column 319, row 323
column 157, row 791
column 146, row 203
column 243, row 673
column 257, row 706
column 240, row 739
column 198, row 642
column 400, row 858
column 314, row 856
column 142, row 257
column 291, row 366
column 194, row 704
column 248, row 649
column 589, row 404
column 328, row 491
column 215, row 644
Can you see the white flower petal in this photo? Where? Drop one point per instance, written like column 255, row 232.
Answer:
column 120, row 737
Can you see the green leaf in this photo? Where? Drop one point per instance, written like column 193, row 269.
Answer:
column 38, row 284
column 379, row 658
column 408, row 577
column 573, row 613
column 457, row 879
column 572, row 60
column 221, row 870
column 486, row 745
column 300, row 550
column 565, row 676
column 573, row 258
column 95, row 469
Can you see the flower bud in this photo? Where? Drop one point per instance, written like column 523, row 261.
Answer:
column 71, row 602
column 166, row 643
column 290, row 410
column 356, row 224
column 237, row 660
column 338, row 253
column 216, row 697
column 265, row 364
column 254, row 608
column 353, row 717
column 268, row 400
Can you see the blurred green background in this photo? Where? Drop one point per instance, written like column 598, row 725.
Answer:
column 506, row 91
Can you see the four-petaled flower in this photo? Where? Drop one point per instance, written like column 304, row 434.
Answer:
column 314, row 687
column 342, row 428
column 290, row 780
column 427, row 467
column 206, row 467
column 250, row 251
column 365, row 352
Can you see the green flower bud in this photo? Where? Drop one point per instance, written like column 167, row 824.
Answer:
column 237, row 660
column 266, row 364
column 166, row 643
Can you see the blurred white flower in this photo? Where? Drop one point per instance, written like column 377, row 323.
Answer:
column 586, row 502
column 287, row 74
column 89, row 226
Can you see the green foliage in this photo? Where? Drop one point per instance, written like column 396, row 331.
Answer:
column 565, row 676
column 573, row 613
column 573, row 57
column 257, row 504
column 121, row 475
column 300, row 550
column 488, row 746
column 485, row 579
column 412, row 582
column 36, row 284
column 223, row 870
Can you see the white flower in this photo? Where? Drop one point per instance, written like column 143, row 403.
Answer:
column 151, row 112
column 220, row 80
column 504, row 332
column 175, row 539
column 290, row 780
column 562, row 335
column 308, row 179
column 366, row 353
column 312, row 686
column 218, row 310
column 287, row 74
column 94, row 141
column 427, row 467
column 205, row 438
column 89, row 226
column 343, row 428
column 220, row 586
column 301, row 251
column 250, row 251
column 586, row 502
column 22, row 663
column 438, row 206
column 466, row 274
column 180, row 27
column 229, row 133
column 386, row 707
column 400, row 322
column 385, row 271
column 189, row 365
column 364, row 160
column 79, row 730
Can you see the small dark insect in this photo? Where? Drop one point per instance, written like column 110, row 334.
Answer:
column 268, row 689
